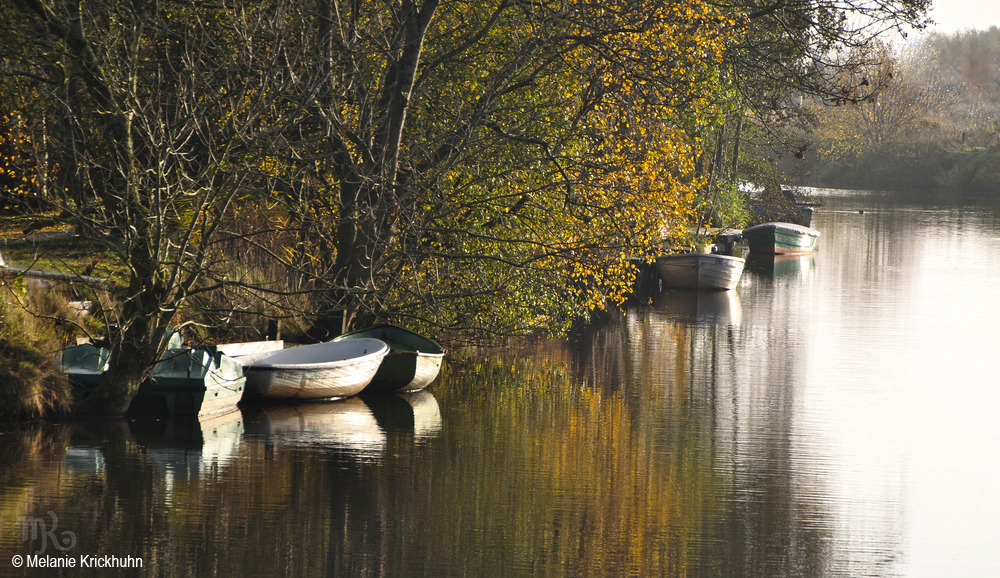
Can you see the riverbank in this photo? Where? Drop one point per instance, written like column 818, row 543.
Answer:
column 31, row 386
column 37, row 318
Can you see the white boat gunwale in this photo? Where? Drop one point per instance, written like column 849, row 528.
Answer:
column 266, row 360
column 700, row 271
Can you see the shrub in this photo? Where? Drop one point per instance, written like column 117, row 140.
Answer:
column 31, row 385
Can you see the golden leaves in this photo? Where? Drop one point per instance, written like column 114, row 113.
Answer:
column 20, row 175
column 547, row 232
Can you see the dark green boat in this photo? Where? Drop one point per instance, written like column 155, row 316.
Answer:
column 780, row 239
column 414, row 361
column 187, row 381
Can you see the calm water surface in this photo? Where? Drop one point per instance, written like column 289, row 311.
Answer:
column 834, row 416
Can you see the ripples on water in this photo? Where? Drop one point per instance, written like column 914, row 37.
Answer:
column 833, row 416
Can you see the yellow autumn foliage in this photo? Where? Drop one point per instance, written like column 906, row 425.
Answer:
column 532, row 235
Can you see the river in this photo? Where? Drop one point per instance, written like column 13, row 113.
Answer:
column 835, row 415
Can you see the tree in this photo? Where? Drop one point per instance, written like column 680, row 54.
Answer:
column 161, row 105
column 932, row 124
column 470, row 152
column 490, row 167
column 794, row 52
column 23, row 174
column 873, row 133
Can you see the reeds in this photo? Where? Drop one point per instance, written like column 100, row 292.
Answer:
column 34, row 326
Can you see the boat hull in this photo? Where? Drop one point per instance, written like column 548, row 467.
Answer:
column 193, row 382
column 781, row 239
column 314, row 371
column 413, row 362
column 185, row 382
column 405, row 371
column 700, row 271
column 84, row 365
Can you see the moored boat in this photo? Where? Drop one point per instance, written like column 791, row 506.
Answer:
column 700, row 271
column 84, row 365
column 780, row 238
column 317, row 371
column 413, row 362
column 196, row 381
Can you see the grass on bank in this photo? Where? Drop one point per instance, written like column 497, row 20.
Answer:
column 55, row 248
column 31, row 384
column 36, row 322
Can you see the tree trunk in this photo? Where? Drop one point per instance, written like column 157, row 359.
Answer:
column 734, row 167
column 368, row 200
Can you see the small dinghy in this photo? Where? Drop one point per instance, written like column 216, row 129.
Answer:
column 318, row 371
column 413, row 361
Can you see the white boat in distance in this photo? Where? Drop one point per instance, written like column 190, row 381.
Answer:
column 700, row 271
column 318, row 371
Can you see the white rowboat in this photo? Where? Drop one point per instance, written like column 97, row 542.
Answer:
column 318, row 371
column 700, row 271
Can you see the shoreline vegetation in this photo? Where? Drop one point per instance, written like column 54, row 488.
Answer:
column 35, row 324
column 31, row 385
column 934, row 124
column 476, row 170
column 40, row 318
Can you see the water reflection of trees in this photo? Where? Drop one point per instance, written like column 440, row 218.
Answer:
column 638, row 449
column 206, row 497
column 657, row 444
column 719, row 435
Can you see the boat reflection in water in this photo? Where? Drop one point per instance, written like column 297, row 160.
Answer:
column 405, row 413
column 701, row 307
column 84, row 459
column 346, row 425
column 186, row 447
column 780, row 265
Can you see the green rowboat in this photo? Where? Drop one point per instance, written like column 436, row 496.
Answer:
column 196, row 381
column 414, row 361
column 781, row 239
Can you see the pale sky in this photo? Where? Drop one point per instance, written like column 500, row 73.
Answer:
column 954, row 15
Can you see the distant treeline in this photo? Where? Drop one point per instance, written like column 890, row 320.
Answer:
column 932, row 123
